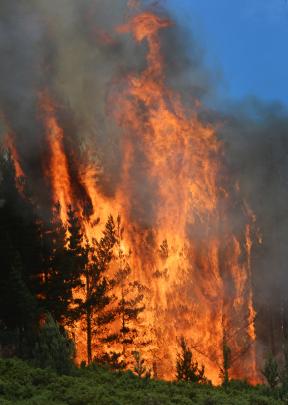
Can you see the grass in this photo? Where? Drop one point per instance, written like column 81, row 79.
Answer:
column 21, row 383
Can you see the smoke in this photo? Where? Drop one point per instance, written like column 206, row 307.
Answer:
column 256, row 138
column 72, row 50
column 22, row 54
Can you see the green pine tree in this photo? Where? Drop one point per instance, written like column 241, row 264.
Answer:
column 271, row 371
column 53, row 349
column 20, row 259
column 61, row 270
column 226, row 363
column 97, row 288
column 139, row 364
column 284, row 376
column 129, row 300
column 186, row 368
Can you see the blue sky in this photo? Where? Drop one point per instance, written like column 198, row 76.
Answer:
column 247, row 40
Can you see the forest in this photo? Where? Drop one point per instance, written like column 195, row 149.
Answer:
column 143, row 225
column 52, row 279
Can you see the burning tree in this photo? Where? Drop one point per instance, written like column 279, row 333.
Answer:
column 95, row 295
column 187, row 369
column 128, row 299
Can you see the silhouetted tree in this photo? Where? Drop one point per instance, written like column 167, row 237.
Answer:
column 284, row 376
column 19, row 258
column 97, row 288
column 186, row 368
column 271, row 371
column 129, row 299
column 139, row 364
column 128, row 309
column 112, row 359
column 61, row 268
column 226, row 362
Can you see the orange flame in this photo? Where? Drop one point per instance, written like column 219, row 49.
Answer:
column 58, row 165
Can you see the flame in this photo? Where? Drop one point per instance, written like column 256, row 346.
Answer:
column 182, row 162
column 58, row 165
column 176, row 214
column 15, row 156
column 9, row 141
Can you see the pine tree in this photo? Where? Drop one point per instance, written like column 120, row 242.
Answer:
column 18, row 257
column 60, row 269
column 76, row 246
column 271, row 371
column 75, row 238
column 139, row 365
column 186, row 368
column 112, row 359
column 130, row 295
column 226, row 364
column 128, row 309
column 19, row 310
column 53, row 349
column 284, row 372
column 97, row 290
column 77, row 260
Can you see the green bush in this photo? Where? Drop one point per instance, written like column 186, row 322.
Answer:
column 23, row 384
column 271, row 372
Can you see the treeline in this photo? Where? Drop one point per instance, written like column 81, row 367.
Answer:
column 51, row 273
column 52, row 279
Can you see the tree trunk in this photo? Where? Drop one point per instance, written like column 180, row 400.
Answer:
column 89, row 335
column 88, row 321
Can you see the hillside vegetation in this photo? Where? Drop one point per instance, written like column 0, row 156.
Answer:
column 21, row 383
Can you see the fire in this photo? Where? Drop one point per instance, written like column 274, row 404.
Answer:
column 15, row 157
column 182, row 165
column 58, row 165
column 19, row 172
column 176, row 213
